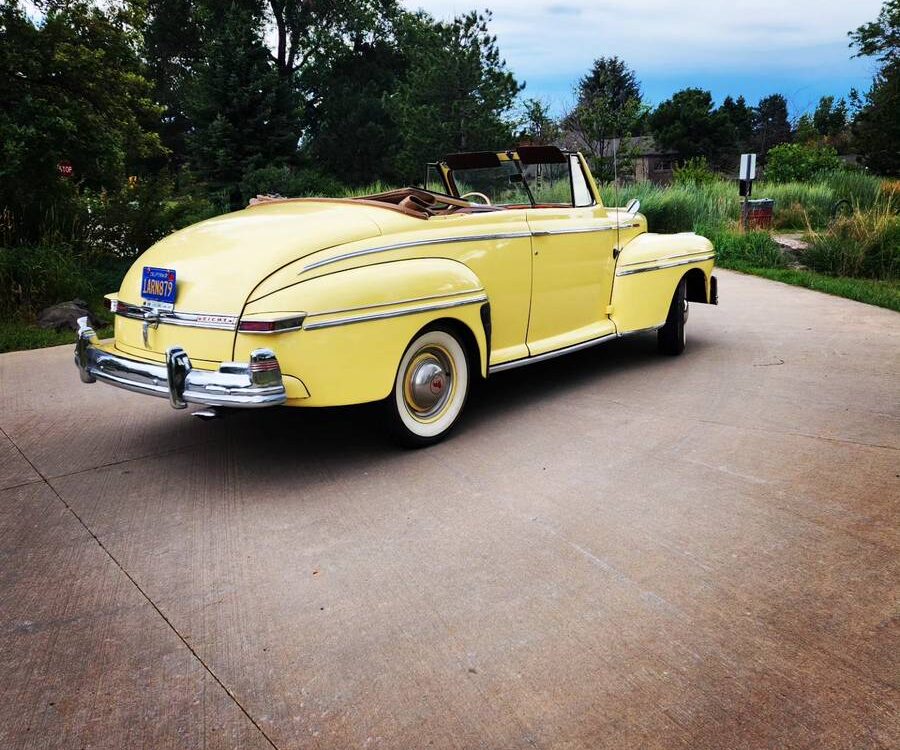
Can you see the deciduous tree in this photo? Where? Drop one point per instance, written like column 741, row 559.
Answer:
column 74, row 90
column 876, row 129
column 609, row 110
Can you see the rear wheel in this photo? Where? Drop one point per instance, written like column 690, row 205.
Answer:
column 430, row 389
column 671, row 337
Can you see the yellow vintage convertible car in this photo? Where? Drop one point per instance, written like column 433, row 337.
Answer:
column 405, row 297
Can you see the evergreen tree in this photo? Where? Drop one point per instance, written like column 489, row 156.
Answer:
column 771, row 125
column 740, row 116
column 456, row 95
column 351, row 133
column 691, row 126
column 172, row 45
column 242, row 112
column 830, row 117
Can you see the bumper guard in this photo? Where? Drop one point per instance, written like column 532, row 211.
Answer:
column 252, row 384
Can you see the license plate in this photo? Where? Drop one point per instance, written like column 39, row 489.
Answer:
column 158, row 288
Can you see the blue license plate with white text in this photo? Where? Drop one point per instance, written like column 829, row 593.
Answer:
column 158, row 288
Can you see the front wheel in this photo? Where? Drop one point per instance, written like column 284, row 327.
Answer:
column 430, row 389
column 671, row 337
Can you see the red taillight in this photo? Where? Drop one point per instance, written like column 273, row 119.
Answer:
column 257, row 326
column 276, row 325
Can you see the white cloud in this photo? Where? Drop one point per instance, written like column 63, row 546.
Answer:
column 657, row 38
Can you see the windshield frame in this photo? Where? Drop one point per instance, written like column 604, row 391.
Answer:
column 544, row 155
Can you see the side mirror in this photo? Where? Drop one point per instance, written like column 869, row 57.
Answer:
column 634, row 205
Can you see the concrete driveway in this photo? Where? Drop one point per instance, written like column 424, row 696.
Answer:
column 616, row 550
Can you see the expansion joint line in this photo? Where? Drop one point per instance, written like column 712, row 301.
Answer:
column 141, row 591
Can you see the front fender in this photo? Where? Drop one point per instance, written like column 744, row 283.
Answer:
column 360, row 321
column 647, row 271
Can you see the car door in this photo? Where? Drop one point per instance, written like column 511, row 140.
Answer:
column 572, row 272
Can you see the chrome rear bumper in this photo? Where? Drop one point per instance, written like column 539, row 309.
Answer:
column 252, row 384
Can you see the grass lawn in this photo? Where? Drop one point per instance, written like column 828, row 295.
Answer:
column 16, row 335
column 879, row 293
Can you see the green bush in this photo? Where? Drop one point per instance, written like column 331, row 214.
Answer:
column 33, row 278
column 695, row 171
column 790, row 162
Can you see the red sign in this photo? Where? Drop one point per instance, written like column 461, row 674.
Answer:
column 65, row 169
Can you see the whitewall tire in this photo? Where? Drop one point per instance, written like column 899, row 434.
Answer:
column 430, row 389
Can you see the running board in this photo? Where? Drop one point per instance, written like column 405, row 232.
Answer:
column 566, row 350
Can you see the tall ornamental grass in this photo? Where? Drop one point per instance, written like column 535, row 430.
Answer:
column 679, row 208
column 865, row 243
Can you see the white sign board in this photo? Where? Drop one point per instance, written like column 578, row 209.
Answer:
column 748, row 167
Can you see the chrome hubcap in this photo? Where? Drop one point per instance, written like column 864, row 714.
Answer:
column 428, row 382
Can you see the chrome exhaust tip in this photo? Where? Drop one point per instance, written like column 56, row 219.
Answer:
column 207, row 414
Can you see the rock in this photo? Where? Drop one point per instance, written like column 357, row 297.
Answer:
column 794, row 244
column 65, row 315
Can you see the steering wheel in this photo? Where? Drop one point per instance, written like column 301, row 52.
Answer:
column 487, row 201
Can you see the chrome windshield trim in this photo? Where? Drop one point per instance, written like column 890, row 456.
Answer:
column 189, row 320
column 551, row 355
column 397, row 302
column 413, row 243
column 661, row 266
column 394, row 313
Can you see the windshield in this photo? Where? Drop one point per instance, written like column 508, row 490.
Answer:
column 501, row 184
column 508, row 183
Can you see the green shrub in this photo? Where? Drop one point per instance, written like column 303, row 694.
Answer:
column 790, row 162
column 33, row 278
column 695, row 171
column 864, row 243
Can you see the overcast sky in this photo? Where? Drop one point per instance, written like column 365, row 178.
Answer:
column 794, row 47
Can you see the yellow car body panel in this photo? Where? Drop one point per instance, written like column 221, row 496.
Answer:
column 516, row 284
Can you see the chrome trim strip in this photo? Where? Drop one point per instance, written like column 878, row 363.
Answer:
column 413, row 243
column 393, row 313
column 577, row 230
column 660, row 266
column 551, row 355
column 214, row 321
column 398, row 302
column 670, row 257
column 641, row 330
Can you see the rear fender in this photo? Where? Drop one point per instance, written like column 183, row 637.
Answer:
column 360, row 321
